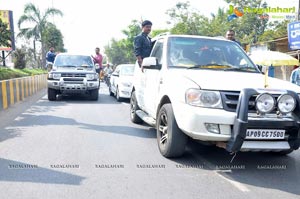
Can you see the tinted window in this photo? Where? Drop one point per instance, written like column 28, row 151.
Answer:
column 127, row 70
column 73, row 61
column 215, row 54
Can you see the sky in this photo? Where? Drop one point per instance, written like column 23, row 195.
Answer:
column 90, row 23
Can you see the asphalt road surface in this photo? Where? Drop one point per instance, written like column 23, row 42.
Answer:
column 76, row 148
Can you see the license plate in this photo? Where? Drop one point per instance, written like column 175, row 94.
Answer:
column 265, row 134
column 73, row 85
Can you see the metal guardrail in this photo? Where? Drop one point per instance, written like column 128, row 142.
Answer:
column 15, row 90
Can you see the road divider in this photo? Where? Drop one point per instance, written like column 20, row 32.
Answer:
column 16, row 90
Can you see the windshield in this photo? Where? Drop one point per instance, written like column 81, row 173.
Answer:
column 195, row 53
column 73, row 61
column 127, row 70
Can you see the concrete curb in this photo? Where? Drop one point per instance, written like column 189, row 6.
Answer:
column 16, row 90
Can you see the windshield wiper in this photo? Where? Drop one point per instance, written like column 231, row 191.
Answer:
column 208, row 66
column 67, row 66
column 244, row 69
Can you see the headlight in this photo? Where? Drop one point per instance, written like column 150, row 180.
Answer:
column 265, row 103
column 91, row 76
column 286, row 103
column 208, row 99
column 56, row 75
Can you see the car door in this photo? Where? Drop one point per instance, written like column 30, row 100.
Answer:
column 152, row 81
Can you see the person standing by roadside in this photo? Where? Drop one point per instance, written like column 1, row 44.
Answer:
column 98, row 60
column 50, row 57
column 142, row 42
column 230, row 35
column 295, row 76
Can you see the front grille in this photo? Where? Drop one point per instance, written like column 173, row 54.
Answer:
column 73, row 75
column 73, row 82
column 230, row 100
column 73, row 79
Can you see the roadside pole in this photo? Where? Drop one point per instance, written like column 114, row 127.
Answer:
column 3, row 57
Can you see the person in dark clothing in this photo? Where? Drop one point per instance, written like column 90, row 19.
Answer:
column 142, row 42
column 50, row 56
column 230, row 35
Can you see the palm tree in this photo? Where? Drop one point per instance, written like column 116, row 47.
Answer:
column 32, row 15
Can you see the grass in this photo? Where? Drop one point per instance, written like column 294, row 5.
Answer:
column 7, row 73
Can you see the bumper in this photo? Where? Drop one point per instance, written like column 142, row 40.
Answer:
column 191, row 120
column 73, row 87
column 238, row 141
column 125, row 92
column 233, row 125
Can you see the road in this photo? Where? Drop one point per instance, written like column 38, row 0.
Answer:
column 76, row 148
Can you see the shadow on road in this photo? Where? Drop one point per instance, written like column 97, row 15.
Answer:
column 13, row 171
column 28, row 120
column 265, row 170
column 104, row 98
column 34, row 117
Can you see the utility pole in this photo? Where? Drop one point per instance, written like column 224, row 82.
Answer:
column 298, row 12
column 3, row 57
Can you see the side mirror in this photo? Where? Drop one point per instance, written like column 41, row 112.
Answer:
column 261, row 68
column 151, row 63
column 97, row 66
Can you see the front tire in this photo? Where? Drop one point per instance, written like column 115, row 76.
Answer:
column 52, row 94
column 171, row 140
column 110, row 92
column 133, row 108
column 94, row 94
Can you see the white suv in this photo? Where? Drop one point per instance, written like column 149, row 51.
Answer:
column 208, row 89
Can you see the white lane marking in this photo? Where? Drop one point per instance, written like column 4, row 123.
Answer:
column 19, row 118
column 238, row 185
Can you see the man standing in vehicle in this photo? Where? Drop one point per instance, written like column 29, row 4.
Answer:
column 142, row 42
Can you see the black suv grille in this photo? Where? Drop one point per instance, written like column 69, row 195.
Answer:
column 230, row 100
column 73, row 75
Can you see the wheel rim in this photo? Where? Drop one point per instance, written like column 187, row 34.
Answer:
column 163, row 129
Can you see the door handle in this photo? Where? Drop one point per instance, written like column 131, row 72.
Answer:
column 161, row 81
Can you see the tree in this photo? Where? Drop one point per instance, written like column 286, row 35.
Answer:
column 116, row 52
column 54, row 37
column 121, row 51
column 19, row 58
column 5, row 34
column 217, row 25
column 32, row 15
column 185, row 20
